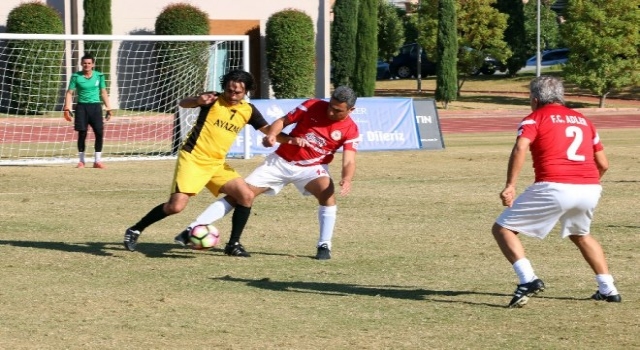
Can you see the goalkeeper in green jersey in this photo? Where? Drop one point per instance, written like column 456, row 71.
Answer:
column 92, row 93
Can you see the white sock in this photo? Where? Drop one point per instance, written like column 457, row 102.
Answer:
column 214, row 212
column 81, row 156
column 605, row 285
column 98, row 157
column 524, row 270
column 327, row 220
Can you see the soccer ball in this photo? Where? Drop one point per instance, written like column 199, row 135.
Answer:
column 204, row 236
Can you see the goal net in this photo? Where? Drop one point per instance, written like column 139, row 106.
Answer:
column 146, row 76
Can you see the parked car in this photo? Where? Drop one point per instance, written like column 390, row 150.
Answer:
column 551, row 58
column 405, row 64
column 490, row 66
column 383, row 71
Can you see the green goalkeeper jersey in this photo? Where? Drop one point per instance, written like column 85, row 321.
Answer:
column 88, row 89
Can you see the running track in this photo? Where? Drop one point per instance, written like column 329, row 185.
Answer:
column 484, row 121
column 139, row 129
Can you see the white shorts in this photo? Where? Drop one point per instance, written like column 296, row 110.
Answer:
column 536, row 211
column 275, row 173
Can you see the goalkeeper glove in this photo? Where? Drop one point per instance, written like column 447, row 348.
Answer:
column 107, row 115
column 68, row 115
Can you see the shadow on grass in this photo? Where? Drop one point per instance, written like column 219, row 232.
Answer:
column 151, row 250
column 343, row 289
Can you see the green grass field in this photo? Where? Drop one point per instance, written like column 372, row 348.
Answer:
column 414, row 263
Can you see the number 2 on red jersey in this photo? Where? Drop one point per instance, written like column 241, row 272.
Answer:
column 577, row 135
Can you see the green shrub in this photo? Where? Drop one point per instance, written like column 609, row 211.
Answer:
column 291, row 54
column 35, row 65
column 183, row 65
column 97, row 20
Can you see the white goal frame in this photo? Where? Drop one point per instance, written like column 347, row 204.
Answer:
column 45, row 137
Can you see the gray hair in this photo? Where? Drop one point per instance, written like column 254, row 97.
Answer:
column 345, row 94
column 547, row 89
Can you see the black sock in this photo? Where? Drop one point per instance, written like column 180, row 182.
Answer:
column 156, row 214
column 238, row 221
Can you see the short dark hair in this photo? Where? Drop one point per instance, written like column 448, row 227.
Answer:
column 88, row 56
column 345, row 94
column 240, row 76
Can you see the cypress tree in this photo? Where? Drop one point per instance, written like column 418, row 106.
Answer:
column 343, row 41
column 364, row 78
column 447, row 47
column 97, row 20
column 515, row 34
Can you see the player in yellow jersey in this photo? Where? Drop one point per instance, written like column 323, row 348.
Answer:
column 202, row 158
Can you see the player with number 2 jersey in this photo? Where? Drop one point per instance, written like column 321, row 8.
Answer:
column 563, row 144
column 568, row 161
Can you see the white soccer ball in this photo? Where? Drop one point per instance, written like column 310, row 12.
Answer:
column 204, row 236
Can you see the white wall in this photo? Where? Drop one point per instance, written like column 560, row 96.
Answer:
column 135, row 16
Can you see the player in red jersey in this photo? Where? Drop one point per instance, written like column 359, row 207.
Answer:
column 568, row 161
column 303, row 157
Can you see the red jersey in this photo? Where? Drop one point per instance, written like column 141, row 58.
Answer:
column 563, row 143
column 326, row 136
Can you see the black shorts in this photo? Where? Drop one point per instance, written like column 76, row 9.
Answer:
column 88, row 114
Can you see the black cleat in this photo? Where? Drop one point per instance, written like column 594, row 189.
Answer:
column 524, row 291
column 183, row 238
column 236, row 249
column 611, row 298
column 131, row 239
column 324, row 253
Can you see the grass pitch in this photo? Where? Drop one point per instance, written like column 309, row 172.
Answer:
column 414, row 264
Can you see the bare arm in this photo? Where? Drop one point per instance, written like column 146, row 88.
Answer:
column 275, row 134
column 348, row 171
column 107, row 104
column 516, row 160
column 68, row 100
column 601, row 162
column 200, row 100
column 105, row 99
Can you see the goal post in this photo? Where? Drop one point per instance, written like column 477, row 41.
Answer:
column 147, row 76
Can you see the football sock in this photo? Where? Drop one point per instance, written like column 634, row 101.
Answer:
column 81, row 156
column 98, row 156
column 214, row 212
column 524, row 270
column 605, row 285
column 156, row 214
column 238, row 221
column 327, row 220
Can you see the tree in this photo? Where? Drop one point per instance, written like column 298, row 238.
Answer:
column 603, row 40
column 515, row 34
column 364, row 78
column 97, row 20
column 549, row 30
column 177, row 60
column 480, row 30
column 390, row 30
column 343, row 41
column 446, row 72
column 290, row 42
